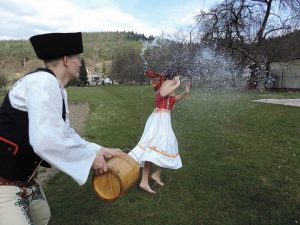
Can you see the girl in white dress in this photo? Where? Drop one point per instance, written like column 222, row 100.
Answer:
column 158, row 143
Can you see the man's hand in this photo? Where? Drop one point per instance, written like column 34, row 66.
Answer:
column 99, row 165
column 109, row 152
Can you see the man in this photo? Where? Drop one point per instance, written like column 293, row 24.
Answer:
column 35, row 131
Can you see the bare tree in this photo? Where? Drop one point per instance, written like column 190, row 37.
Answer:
column 3, row 84
column 127, row 66
column 243, row 26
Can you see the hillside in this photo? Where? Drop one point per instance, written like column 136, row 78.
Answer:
column 284, row 47
column 17, row 56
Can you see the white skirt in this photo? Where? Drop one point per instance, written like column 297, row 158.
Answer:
column 158, row 143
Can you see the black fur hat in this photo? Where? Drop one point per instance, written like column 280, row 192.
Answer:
column 55, row 45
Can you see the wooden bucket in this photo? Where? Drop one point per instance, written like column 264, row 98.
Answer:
column 123, row 172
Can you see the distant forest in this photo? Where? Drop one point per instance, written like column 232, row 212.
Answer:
column 283, row 48
column 106, row 49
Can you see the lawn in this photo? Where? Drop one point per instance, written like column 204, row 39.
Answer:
column 240, row 161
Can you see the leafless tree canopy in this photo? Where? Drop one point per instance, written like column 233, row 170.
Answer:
column 243, row 25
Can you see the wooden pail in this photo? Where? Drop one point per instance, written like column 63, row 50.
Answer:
column 123, row 172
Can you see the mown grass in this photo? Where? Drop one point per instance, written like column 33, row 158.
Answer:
column 240, row 161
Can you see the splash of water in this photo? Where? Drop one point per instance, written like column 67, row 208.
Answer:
column 202, row 64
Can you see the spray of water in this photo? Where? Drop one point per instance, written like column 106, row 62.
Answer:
column 203, row 65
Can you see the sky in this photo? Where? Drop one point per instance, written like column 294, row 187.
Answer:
column 21, row 19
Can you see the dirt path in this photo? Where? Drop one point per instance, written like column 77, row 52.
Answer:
column 78, row 115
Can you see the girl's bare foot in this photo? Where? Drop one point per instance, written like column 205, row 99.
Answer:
column 157, row 179
column 147, row 188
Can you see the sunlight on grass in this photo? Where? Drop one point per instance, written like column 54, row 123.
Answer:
column 240, row 161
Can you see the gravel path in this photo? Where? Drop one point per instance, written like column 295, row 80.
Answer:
column 291, row 102
column 78, row 114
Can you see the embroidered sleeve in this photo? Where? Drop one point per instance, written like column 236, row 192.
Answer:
column 51, row 138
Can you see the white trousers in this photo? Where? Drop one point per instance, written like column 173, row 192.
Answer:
column 31, row 210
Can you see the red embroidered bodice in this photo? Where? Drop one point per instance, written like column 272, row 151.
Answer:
column 164, row 102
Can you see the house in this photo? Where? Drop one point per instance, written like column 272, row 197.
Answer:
column 95, row 80
column 286, row 74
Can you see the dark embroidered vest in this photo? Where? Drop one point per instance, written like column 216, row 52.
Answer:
column 17, row 158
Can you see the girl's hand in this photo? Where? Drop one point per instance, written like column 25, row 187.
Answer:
column 187, row 87
column 176, row 80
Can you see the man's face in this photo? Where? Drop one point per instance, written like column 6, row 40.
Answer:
column 74, row 65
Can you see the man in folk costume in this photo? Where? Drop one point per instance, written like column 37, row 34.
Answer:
column 35, row 131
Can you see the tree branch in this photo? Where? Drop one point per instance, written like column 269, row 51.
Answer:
column 265, row 20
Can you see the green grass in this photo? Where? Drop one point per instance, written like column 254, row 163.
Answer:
column 240, row 161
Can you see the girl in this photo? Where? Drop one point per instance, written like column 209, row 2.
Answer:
column 158, row 143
